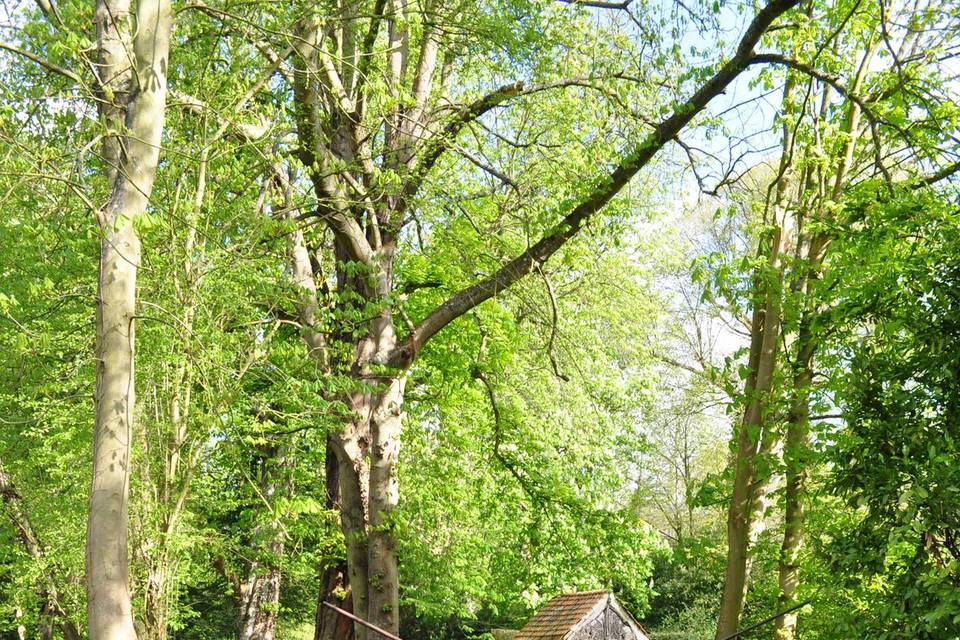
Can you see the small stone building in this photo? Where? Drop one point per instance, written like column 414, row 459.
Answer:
column 590, row 615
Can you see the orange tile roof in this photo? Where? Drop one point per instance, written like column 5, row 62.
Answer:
column 559, row 615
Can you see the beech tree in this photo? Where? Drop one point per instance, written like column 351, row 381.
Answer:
column 131, row 80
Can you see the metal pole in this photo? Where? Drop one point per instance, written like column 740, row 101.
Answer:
column 765, row 620
column 360, row 621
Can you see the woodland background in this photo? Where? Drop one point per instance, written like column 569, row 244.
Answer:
column 440, row 309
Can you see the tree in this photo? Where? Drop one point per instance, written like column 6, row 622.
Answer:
column 131, row 72
column 891, row 459
column 849, row 133
column 435, row 223
column 53, row 612
column 364, row 205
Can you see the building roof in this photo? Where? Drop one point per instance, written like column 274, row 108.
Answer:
column 560, row 615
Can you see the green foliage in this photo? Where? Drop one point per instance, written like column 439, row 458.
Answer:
column 895, row 461
column 508, row 504
column 538, row 426
column 686, row 582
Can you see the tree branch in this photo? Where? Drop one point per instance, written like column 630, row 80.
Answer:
column 872, row 119
column 604, row 188
column 943, row 174
column 480, row 164
column 598, row 4
column 555, row 321
column 532, row 492
column 51, row 11
column 813, row 72
column 247, row 31
column 366, row 55
column 445, row 139
column 46, row 64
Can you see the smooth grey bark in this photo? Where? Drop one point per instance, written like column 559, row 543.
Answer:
column 132, row 72
column 109, row 606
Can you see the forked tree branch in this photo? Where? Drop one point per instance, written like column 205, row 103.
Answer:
column 445, row 139
column 604, row 188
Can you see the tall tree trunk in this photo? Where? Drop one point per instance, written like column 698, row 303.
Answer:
column 748, row 495
column 260, row 591
column 368, row 496
column 798, row 423
column 109, row 606
column 797, row 443
column 334, row 588
column 384, row 577
column 334, row 585
column 351, row 451
column 365, row 232
column 368, row 490
column 756, row 439
column 155, row 594
column 260, row 595
column 346, row 470
column 756, row 436
column 135, row 101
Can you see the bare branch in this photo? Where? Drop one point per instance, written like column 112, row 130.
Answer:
column 480, row 164
column 598, row 4
column 555, row 320
column 942, row 174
